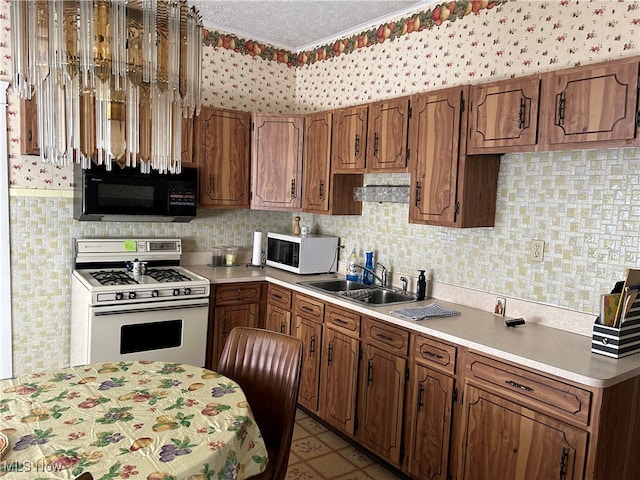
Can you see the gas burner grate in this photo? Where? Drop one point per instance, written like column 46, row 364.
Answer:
column 167, row 275
column 113, row 277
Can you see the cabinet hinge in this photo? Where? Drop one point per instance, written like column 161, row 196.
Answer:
column 401, row 452
column 406, row 374
column 455, row 395
column 638, row 119
column 253, row 126
column 407, row 154
column 360, row 354
column 356, row 423
column 461, row 104
column 250, row 196
column 410, row 112
column 457, row 209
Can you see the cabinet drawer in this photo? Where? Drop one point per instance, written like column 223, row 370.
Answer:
column 433, row 353
column 387, row 336
column 279, row 296
column 343, row 320
column 238, row 293
column 308, row 307
column 531, row 389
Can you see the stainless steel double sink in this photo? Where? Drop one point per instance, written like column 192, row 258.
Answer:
column 357, row 292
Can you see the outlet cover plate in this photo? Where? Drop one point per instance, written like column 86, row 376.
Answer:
column 537, row 250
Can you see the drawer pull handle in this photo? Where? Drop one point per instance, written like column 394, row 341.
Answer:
column 421, row 397
column 384, row 337
column 307, row 309
column 356, row 147
column 519, row 385
column 432, row 355
column 369, row 372
column 275, row 295
column 329, row 354
column 282, row 329
column 340, row 321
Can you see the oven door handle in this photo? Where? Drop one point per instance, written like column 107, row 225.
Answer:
column 154, row 308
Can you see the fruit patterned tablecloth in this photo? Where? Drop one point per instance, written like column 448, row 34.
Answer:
column 130, row 420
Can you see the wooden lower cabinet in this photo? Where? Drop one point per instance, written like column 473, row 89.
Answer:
column 307, row 326
column 339, row 370
column 505, row 440
column 278, row 317
column 383, row 379
column 232, row 305
column 429, row 412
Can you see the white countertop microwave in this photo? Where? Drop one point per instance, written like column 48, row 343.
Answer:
column 304, row 255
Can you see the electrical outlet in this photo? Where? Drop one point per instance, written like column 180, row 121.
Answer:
column 537, row 250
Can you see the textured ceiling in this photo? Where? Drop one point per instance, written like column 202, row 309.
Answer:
column 297, row 25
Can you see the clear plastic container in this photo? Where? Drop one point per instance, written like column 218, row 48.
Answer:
column 231, row 256
column 218, row 256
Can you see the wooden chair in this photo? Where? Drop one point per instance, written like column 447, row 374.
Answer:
column 267, row 366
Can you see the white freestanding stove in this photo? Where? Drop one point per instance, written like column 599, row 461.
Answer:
column 130, row 300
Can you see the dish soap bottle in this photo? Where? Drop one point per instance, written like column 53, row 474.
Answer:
column 352, row 269
column 367, row 276
column 422, row 286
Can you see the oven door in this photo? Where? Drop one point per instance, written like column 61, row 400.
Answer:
column 174, row 331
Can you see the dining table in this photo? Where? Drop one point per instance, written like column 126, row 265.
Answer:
column 128, row 420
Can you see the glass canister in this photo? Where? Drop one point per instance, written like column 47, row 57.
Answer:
column 231, row 256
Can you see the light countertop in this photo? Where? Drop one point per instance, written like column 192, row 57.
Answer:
column 549, row 350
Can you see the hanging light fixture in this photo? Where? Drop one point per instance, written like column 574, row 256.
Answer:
column 112, row 78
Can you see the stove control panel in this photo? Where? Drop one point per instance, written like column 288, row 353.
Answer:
column 154, row 294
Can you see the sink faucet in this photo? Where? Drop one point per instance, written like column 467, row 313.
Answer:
column 404, row 281
column 382, row 278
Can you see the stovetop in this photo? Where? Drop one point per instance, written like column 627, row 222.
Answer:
column 125, row 277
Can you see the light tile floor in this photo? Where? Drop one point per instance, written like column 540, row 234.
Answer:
column 317, row 453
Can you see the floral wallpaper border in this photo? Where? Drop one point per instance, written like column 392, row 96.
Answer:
column 426, row 19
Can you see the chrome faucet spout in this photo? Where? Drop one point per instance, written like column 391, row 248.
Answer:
column 382, row 279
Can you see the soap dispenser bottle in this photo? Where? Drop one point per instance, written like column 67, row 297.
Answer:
column 422, row 286
column 352, row 269
column 367, row 275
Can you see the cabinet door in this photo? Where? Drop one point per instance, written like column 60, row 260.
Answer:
column 317, row 160
column 276, row 162
column 381, row 403
column 187, row 157
column 591, row 103
column 278, row 319
column 311, row 335
column 227, row 317
column 221, row 140
column 505, row 440
column 339, row 375
column 431, row 405
column 434, row 148
column 503, row 116
column 387, row 136
column 349, row 142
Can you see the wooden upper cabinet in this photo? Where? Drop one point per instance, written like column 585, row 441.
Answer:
column 593, row 103
column 222, row 140
column 317, row 162
column 349, row 142
column 387, row 136
column 503, row 116
column 324, row 192
column 276, row 162
column 187, row 157
column 434, row 146
column 448, row 188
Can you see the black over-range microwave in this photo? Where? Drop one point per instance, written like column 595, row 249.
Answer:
column 125, row 194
